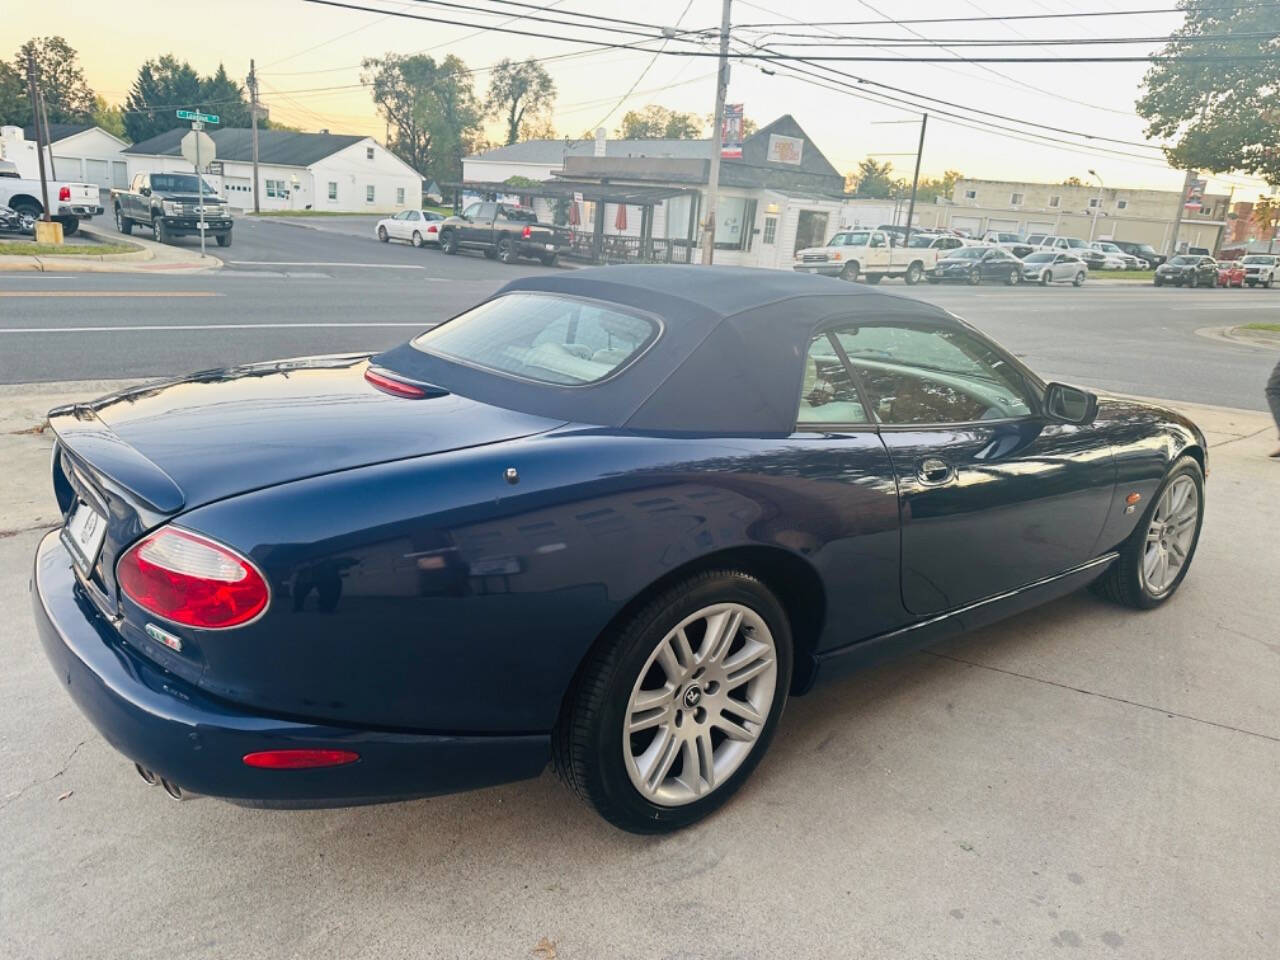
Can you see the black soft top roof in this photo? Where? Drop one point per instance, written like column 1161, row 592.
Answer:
column 729, row 359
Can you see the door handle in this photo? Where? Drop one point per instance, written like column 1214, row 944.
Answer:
column 933, row 472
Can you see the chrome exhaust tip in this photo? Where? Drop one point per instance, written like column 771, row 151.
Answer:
column 173, row 790
column 148, row 776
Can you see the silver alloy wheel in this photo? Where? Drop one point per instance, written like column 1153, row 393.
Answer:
column 1170, row 536
column 699, row 704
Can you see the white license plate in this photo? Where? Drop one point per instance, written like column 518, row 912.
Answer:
column 202, row 225
column 551, row 246
column 83, row 534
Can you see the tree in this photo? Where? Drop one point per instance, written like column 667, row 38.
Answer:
column 654, row 122
column 1266, row 214
column 1073, row 182
column 15, row 105
column 519, row 93
column 226, row 98
column 930, row 188
column 1220, row 114
column 161, row 88
column 109, row 118
column 67, row 98
column 871, row 179
column 431, row 108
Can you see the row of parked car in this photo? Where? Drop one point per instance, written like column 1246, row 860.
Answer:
column 1194, row 270
column 501, row 231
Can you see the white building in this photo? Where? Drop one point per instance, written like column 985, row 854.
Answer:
column 296, row 171
column 80, row 152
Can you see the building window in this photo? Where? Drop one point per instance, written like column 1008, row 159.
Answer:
column 1015, row 199
column 1121, row 204
column 399, row 196
column 1094, row 202
column 368, row 194
column 770, row 230
column 971, row 194
column 1055, row 201
column 333, row 189
column 735, row 220
column 368, row 153
column 276, row 188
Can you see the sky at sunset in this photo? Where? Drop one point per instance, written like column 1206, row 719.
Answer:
column 308, row 60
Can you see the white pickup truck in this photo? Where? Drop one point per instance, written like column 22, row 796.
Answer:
column 873, row 254
column 69, row 203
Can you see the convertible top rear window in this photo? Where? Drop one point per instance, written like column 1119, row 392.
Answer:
column 547, row 338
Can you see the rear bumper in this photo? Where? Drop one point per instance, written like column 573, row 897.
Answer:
column 197, row 742
column 81, row 210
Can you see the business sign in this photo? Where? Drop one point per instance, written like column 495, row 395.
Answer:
column 1194, row 199
column 731, row 132
column 785, row 149
column 198, row 117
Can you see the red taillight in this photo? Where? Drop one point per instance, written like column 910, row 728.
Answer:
column 391, row 385
column 191, row 580
column 527, row 232
column 431, row 229
column 299, row 759
column 64, row 193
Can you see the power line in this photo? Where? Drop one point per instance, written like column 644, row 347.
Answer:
column 1020, row 16
column 901, row 43
column 649, row 34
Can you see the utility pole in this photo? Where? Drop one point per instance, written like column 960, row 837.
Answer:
column 713, row 179
column 48, row 139
column 33, row 94
column 253, row 123
column 915, row 180
column 1177, row 217
column 1093, row 226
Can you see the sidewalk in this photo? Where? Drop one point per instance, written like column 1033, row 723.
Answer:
column 150, row 257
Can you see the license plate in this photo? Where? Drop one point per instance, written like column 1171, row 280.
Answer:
column 83, row 534
column 551, row 246
column 202, row 225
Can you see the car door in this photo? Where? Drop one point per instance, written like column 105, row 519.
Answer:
column 878, row 252
column 479, row 230
column 1062, row 267
column 1208, row 271
column 412, row 223
column 995, row 265
column 993, row 495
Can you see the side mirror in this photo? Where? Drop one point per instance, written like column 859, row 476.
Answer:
column 1070, row 404
column 145, row 191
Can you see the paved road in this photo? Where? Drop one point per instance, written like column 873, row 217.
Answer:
column 288, row 290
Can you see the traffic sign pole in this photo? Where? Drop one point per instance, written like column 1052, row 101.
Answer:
column 198, row 120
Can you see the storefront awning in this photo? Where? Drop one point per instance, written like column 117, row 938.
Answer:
column 590, row 191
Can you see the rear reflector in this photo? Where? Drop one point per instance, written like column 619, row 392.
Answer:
column 191, row 580
column 389, row 384
column 64, row 193
column 299, row 759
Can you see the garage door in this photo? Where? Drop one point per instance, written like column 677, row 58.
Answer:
column 1039, row 226
column 97, row 171
column 119, row 174
column 972, row 224
column 67, row 168
column 1004, row 226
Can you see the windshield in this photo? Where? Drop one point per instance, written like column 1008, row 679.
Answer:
column 921, row 241
column 542, row 337
column 1185, row 260
column 849, row 240
column 1038, row 258
column 966, row 253
column 1263, row 260
column 178, row 183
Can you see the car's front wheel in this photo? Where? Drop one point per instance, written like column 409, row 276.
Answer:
column 1079, row 279
column 1045, row 278
column 975, row 277
column 671, row 713
column 850, row 272
column 1012, row 278
column 383, row 235
column 1155, row 559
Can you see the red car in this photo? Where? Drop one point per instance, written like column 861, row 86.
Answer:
column 1230, row 274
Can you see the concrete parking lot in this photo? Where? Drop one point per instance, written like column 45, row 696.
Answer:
column 1081, row 780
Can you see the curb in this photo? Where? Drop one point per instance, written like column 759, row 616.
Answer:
column 1239, row 339
column 142, row 260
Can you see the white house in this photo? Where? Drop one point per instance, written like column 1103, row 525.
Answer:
column 297, row 171
column 80, row 152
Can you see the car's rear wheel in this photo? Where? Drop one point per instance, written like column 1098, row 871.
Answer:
column 671, row 713
column 448, row 242
column 507, row 251
column 550, row 259
column 383, row 235
column 123, row 223
column 914, row 272
column 416, row 239
column 1155, row 559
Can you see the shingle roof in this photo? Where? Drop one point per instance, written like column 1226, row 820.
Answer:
column 283, row 147
column 57, row 131
column 553, row 151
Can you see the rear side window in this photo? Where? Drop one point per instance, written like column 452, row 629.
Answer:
column 828, row 394
column 543, row 337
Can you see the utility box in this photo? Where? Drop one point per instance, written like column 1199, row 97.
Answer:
column 49, row 232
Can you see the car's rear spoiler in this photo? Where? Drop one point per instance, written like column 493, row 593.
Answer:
column 99, row 450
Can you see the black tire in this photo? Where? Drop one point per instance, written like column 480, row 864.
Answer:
column 1079, row 279
column 224, row 239
column 550, row 259
column 1012, row 279
column 1046, row 278
column 507, row 251
column 448, row 242
column 1123, row 581
column 123, row 223
column 975, row 277
column 383, row 236
column 914, row 273
column 69, row 225
column 850, row 272
column 416, row 239
column 27, row 208
column 159, row 232
column 587, row 744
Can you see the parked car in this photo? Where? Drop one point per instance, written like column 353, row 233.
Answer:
column 976, row 264
column 503, row 232
column 1072, row 245
column 873, row 254
column 11, row 221
column 1047, row 266
column 551, row 529
column 419, row 227
column 70, row 203
column 1187, row 270
column 1012, row 242
column 170, row 205
column 1143, row 251
column 1118, row 259
column 1261, row 269
column 1199, row 251
column 1230, row 273
column 939, row 242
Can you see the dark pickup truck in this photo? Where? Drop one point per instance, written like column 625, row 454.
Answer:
column 169, row 203
column 503, row 231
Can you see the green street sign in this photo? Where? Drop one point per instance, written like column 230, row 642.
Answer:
column 199, row 117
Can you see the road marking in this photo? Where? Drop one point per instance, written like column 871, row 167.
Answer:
column 1230, row 306
column 209, row 326
column 109, row 293
column 324, row 263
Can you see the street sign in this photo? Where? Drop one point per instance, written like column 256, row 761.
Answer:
column 201, row 117
column 198, row 148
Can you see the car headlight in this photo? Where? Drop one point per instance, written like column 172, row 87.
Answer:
column 172, row 209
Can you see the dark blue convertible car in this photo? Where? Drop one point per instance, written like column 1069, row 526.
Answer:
column 610, row 519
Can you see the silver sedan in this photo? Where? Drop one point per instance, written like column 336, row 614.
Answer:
column 1046, row 266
